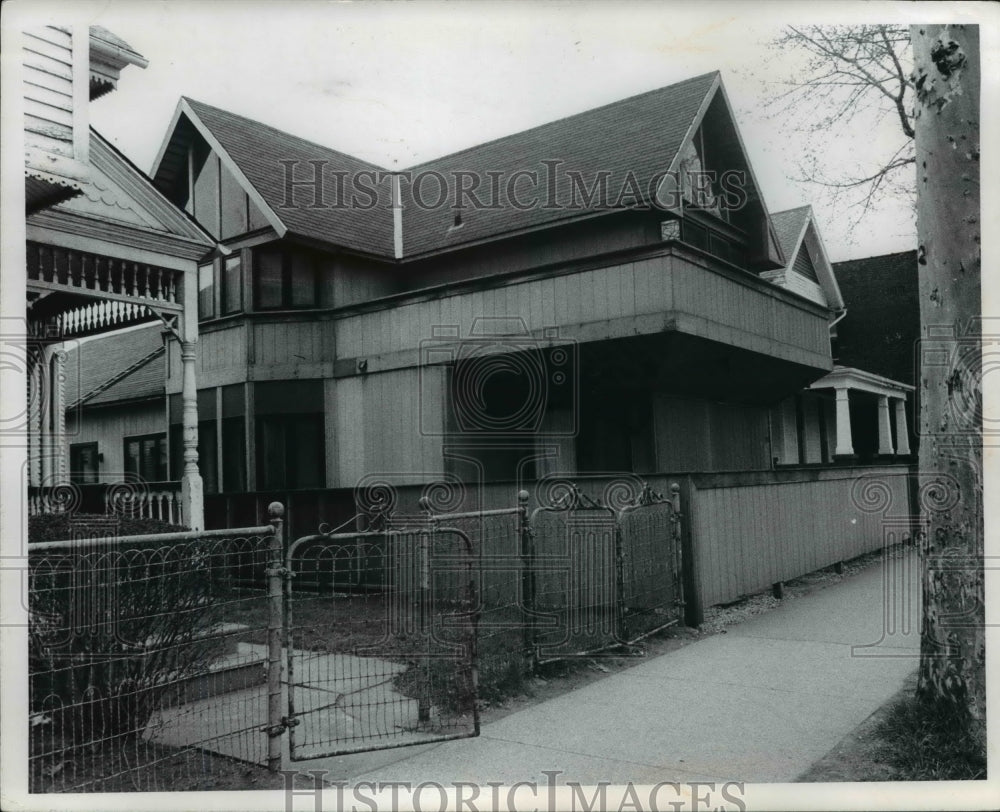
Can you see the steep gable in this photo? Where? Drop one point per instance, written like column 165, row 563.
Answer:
column 252, row 155
column 119, row 195
column 640, row 135
column 807, row 269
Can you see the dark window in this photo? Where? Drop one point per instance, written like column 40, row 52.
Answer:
column 290, row 451
column 234, row 465
column 206, row 292
column 83, row 463
column 268, row 277
column 232, row 285
column 146, row 456
column 290, row 434
column 285, row 277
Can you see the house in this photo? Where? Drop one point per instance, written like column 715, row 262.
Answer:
column 105, row 250
column 881, row 330
column 607, row 292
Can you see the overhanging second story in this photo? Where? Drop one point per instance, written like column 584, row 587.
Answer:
column 642, row 217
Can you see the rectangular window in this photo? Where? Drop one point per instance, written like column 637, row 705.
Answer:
column 285, row 277
column 290, row 451
column 289, row 425
column 234, row 440
column 232, row 285
column 268, row 276
column 83, row 463
column 146, row 457
column 303, row 280
column 206, row 292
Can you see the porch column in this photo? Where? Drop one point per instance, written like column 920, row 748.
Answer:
column 884, row 429
column 35, row 423
column 45, row 416
column 192, row 492
column 902, row 431
column 845, row 443
column 59, row 415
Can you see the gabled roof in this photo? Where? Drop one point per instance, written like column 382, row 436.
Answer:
column 253, row 153
column 796, row 231
column 125, row 365
column 790, row 227
column 632, row 142
column 641, row 135
column 118, row 191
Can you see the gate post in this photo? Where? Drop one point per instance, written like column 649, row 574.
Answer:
column 527, row 579
column 275, row 624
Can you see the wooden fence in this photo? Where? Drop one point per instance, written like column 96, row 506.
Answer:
column 743, row 531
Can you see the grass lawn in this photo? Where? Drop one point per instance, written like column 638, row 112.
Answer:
column 901, row 741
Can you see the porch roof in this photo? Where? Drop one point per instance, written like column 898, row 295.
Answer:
column 859, row 379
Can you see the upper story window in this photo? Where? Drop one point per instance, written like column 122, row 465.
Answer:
column 232, row 285
column 206, row 292
column 285, row 278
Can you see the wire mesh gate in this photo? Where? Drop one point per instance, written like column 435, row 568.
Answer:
column 380, row 640
column 601, row 576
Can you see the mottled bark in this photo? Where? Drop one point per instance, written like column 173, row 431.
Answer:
column 946, row 81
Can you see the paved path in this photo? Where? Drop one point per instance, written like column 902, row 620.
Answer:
column 760, row 703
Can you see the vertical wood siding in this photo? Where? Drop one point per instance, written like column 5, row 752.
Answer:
column 292, row 342
column 388, row 424
column 654, row 285
column 754, row 535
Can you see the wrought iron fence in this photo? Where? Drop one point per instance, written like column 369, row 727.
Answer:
column 147, row 651
column 380, row 640
column 149, row 658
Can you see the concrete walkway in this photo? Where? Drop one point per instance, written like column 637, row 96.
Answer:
column 760, row 703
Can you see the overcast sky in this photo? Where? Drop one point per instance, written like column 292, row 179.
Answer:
column 398, row 83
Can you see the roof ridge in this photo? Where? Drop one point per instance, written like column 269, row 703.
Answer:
column 284, row 133
column 790, row 211
column 586, row 112
column 876, row 256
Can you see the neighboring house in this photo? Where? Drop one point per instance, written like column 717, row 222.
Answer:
column 65, row 69
column 105, row 250
column 882, row 326
column 491, row 343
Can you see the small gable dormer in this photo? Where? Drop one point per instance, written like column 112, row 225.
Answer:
column 807, row 270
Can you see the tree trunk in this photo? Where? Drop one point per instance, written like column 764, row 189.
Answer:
column 953, row 654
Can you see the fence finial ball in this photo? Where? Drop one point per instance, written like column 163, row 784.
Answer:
column 522, row 497
column 276, row 510
column 675, row 488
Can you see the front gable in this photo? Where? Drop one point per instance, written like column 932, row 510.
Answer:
column 120, row 203
column 807, row 270
column 719, row 195
column 198, row 175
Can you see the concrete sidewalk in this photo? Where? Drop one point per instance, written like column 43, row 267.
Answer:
column 760, row 703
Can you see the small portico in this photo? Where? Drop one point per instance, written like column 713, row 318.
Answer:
column 851, row 385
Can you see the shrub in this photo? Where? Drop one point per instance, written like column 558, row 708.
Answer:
column 113, row 629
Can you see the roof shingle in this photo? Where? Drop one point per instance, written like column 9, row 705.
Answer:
column 258, row 151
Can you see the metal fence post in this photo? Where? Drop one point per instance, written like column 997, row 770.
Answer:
column 527, row 578
column 275, row 625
